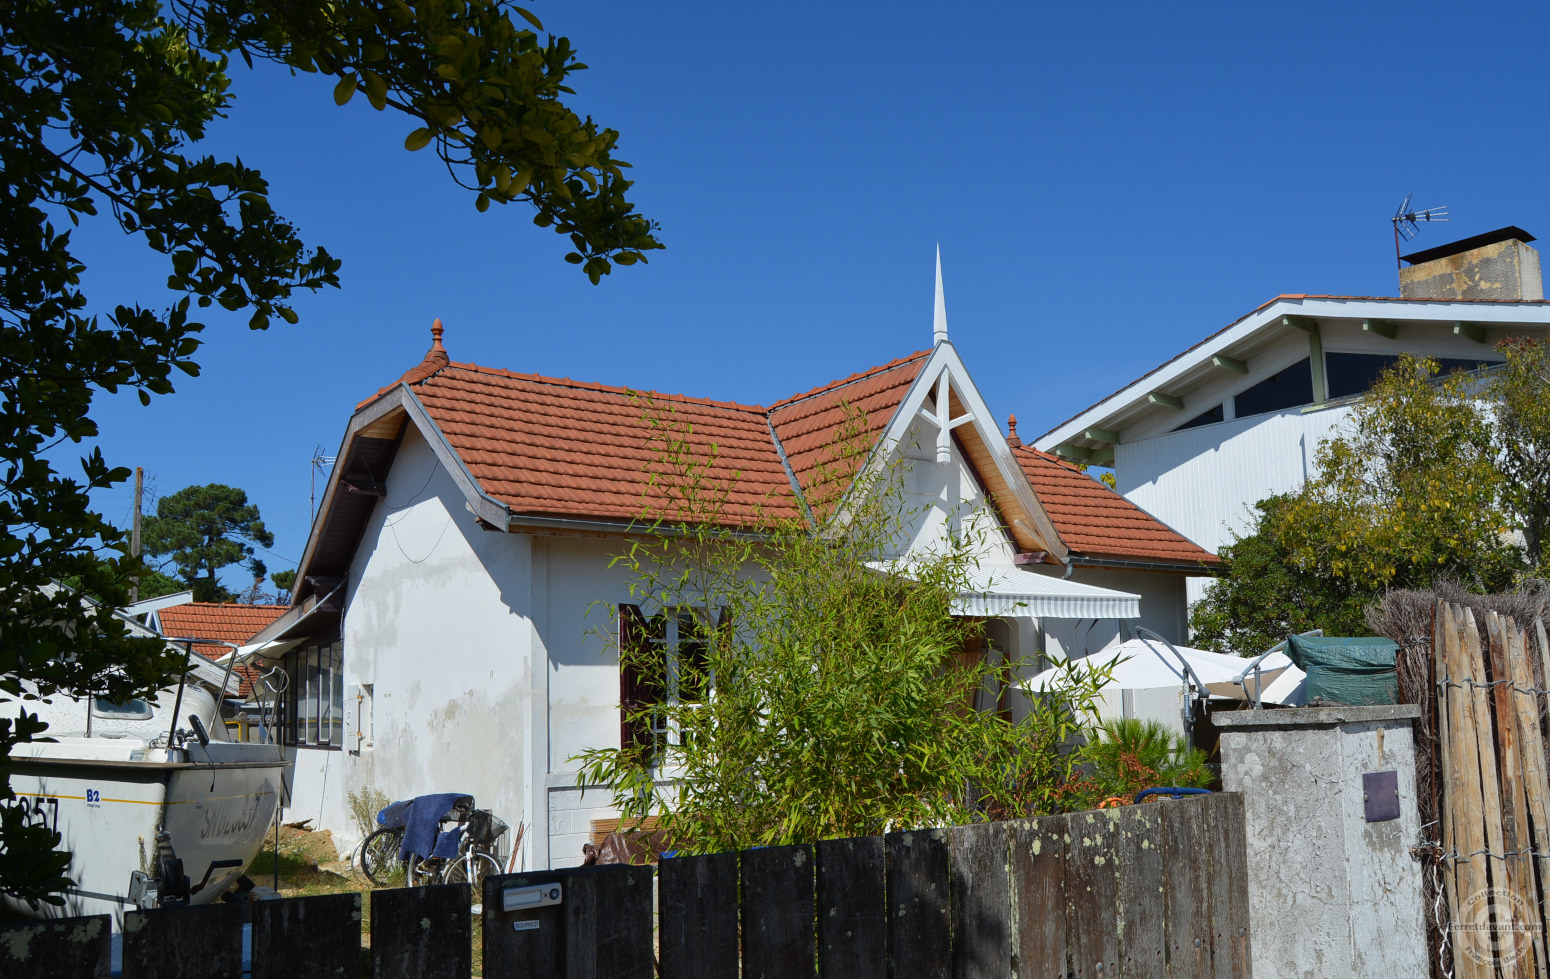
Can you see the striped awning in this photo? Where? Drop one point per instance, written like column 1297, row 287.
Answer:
column 997, row 591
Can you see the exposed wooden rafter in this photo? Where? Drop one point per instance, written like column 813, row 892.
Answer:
column 1227, row 363
column 1166, row 400
column 1469, row 331
column 1382, row 328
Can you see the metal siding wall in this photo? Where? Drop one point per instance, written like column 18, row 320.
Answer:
column 1203, row 482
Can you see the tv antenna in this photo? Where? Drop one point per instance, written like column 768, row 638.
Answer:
column 1405, row 222
column 320, row 463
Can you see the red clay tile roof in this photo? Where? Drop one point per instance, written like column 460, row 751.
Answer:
column 214, row 620
column 807, row 423
column 1095, row 521
column 554, row 447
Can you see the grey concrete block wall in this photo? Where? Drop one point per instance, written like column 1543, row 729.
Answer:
column 1330, row 893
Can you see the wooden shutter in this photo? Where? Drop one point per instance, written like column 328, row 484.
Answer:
column 632, row 634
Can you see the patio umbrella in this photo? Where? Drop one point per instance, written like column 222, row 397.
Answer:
column 1146, row 664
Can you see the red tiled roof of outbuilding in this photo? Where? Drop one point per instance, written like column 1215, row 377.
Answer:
column 219, row 620
column 1095, row 521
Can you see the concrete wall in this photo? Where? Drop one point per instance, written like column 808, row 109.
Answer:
column 1330, row 894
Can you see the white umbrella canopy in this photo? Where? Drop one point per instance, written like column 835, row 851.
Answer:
column 1144, row 664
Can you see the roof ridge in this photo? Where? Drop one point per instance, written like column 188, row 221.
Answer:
column 569, row 382
column 891, row 365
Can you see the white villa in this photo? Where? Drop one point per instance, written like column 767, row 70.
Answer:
column 1238, row 416
column 448, row 606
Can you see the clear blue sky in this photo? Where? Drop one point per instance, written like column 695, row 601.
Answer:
column 1109, row 183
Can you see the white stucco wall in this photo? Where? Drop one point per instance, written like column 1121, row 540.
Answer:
column 438, row 630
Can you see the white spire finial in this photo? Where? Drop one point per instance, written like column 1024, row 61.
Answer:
column 939, row 321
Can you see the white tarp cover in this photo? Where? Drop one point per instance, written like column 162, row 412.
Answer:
column 1143, row 669
column 997, row 590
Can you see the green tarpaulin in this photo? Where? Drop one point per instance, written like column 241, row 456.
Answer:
column 1346, row 670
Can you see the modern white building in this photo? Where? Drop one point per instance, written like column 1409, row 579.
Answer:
column 456, row 604
column 1237, row 417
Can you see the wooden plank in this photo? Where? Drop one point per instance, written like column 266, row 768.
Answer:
column 307, row 936
column 184, row 943
column 1229, row 883
column 1039, row 896
column 1443, row 634
column 61, row 947
column 918, row 921
column 1468, row 815
column 527, row 942
column 1490, row 787
column 1092, row 895
column 1514, row 800
column 778, row 934
column 698, row 901
column 852, row 910
column 980, row 901
column 1142, row 935
column 608, row 926
column 422, row 932
column 1186, row 890
column 1532, row 768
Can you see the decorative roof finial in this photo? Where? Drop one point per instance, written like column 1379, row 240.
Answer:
column 435, row 359
column 1011, row 438
column 939, row 321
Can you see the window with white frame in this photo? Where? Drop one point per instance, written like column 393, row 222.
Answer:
column 664, row 660
column 314, row 698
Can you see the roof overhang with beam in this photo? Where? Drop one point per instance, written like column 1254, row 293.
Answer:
column 1147, row 406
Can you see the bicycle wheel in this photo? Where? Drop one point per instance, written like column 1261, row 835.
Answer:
column 379, row 857
column 480, row 865
column 424, row 871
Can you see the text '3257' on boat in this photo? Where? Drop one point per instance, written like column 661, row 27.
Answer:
column 155, row 805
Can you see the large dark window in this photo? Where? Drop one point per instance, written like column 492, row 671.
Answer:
column 314, row 696
column 1350, row 374
column 1204, row 418
column 1288, row 388
column 664, row 661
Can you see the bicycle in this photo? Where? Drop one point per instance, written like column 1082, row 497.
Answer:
column 476, row 832
column 379, row 856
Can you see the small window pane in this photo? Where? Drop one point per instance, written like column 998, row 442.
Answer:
column 336, row 668
column 1204, row 418
column 1287, row 388
column 309, row 703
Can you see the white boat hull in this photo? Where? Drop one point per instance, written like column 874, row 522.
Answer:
column 108, row 800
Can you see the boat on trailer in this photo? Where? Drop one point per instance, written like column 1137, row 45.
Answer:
column 156, row 807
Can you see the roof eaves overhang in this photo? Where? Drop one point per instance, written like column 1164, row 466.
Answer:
column 1159, row 388
column 293, row 627
column 1200, row 568
column 376, row 419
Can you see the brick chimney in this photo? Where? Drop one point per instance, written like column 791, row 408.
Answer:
column 1496, row 265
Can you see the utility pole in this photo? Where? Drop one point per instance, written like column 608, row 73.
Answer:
column 134, row 533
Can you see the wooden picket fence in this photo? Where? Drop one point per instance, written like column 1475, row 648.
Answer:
column 1147, row 891
column 1495, row 799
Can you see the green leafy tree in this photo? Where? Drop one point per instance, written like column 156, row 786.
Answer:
column 1521, row 397
column 202, row 529
column 284, row 581
column 1266, row 595
column 102, row 108
column 1408, row 493
column 810, row 696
